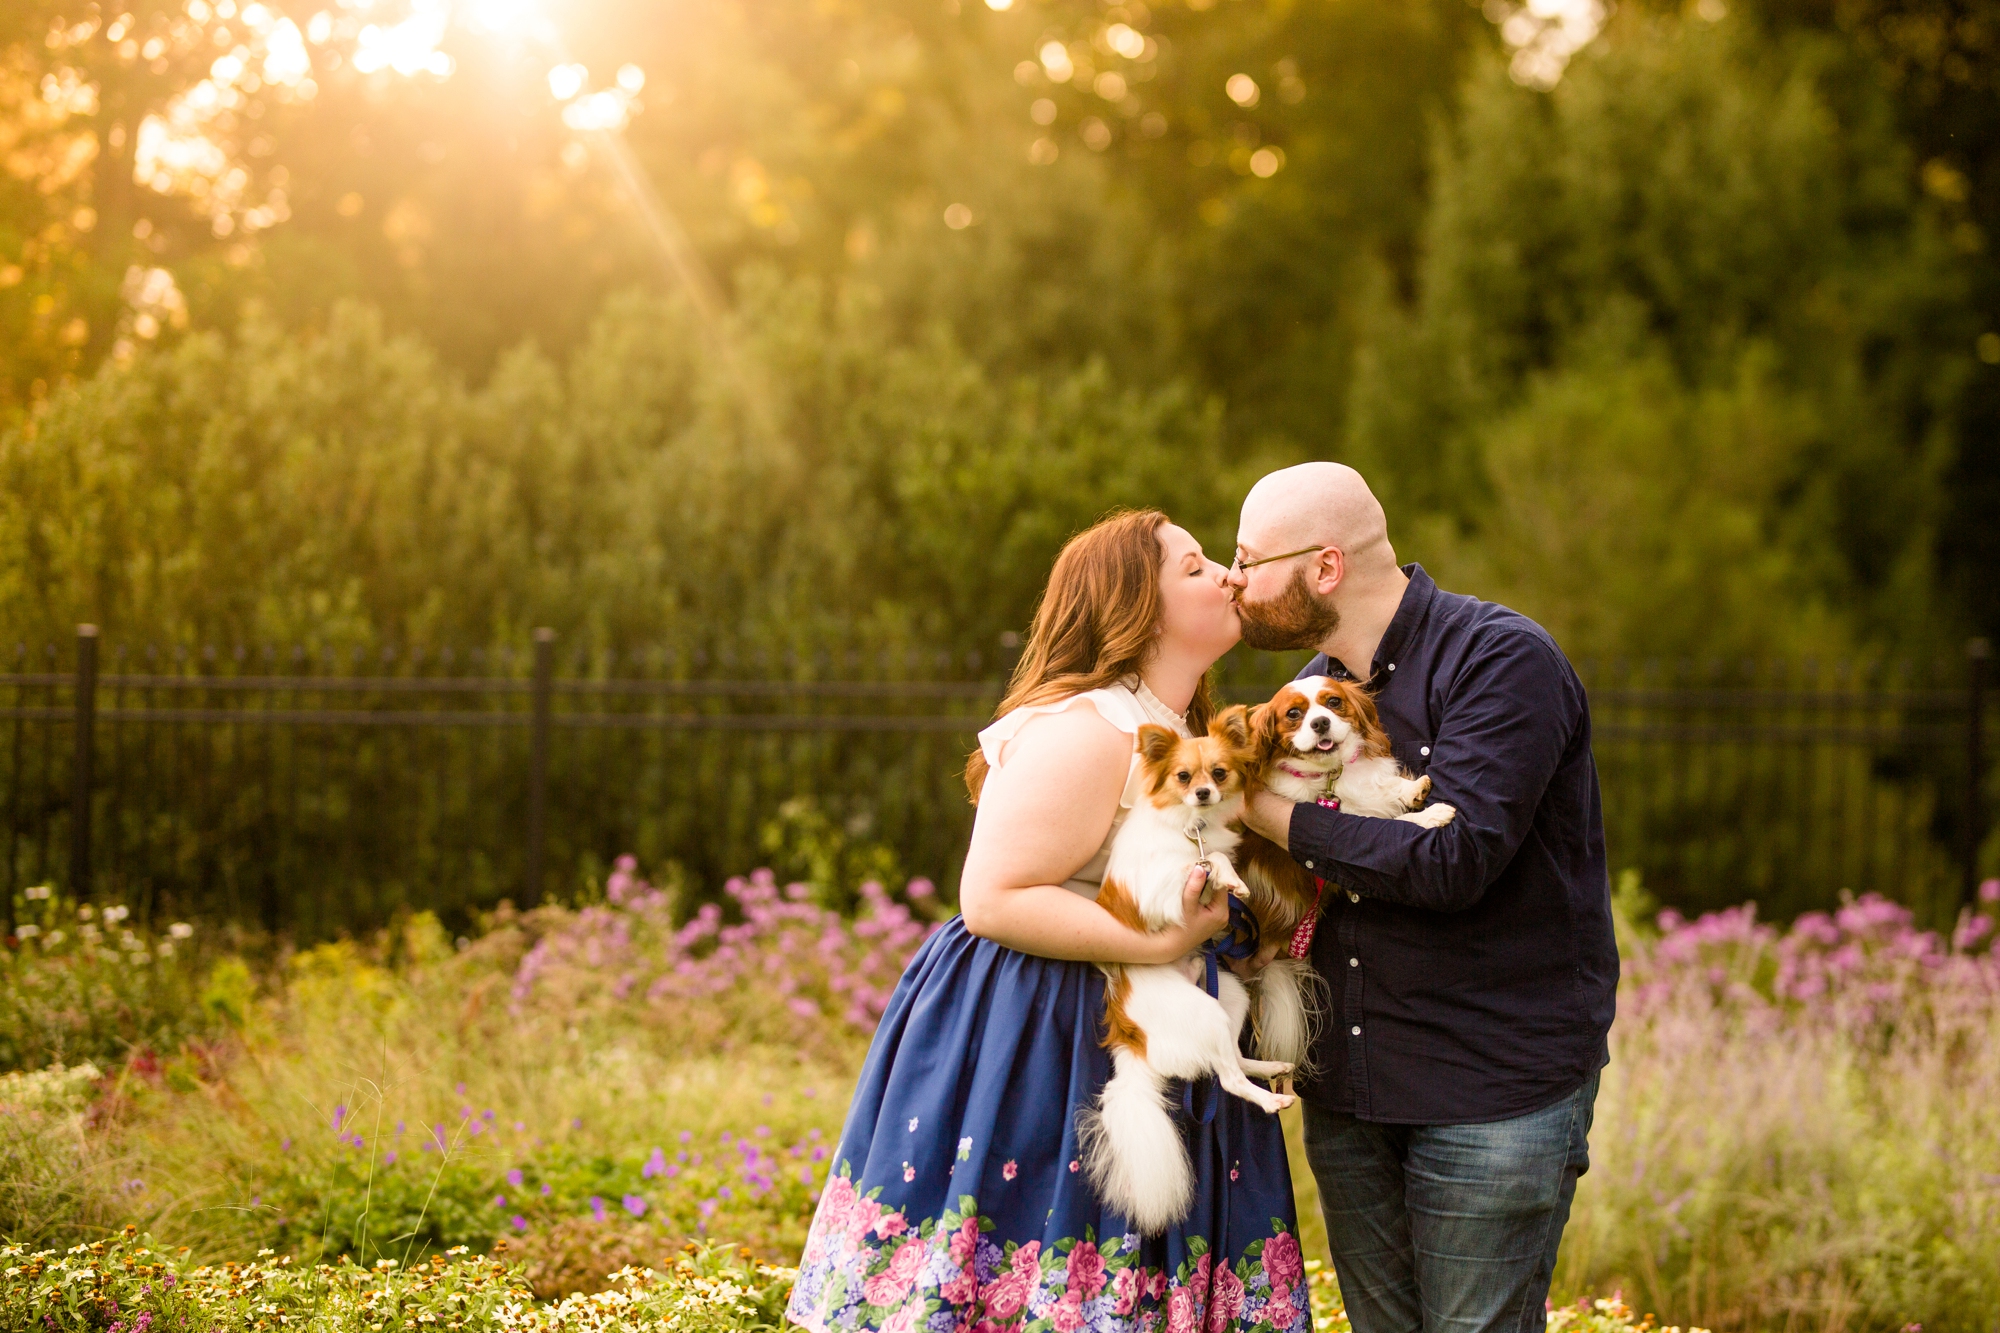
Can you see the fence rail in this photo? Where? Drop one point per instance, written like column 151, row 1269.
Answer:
column 316, row 801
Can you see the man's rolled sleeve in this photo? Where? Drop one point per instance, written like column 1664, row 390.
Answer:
column 1506, row 724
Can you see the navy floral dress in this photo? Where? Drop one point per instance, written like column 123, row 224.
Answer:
column 957, row 1202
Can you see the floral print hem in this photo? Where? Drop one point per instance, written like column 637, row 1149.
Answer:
column 868, row 1267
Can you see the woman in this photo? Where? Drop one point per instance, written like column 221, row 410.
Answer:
column 956, row 1200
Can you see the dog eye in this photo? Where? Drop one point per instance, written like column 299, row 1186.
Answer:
column 1182, row 776
column 1293, row 714
column 1338, row 705
column 1221, row 775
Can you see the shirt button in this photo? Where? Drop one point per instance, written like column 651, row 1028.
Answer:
column 1392, row 666
column 1354, row 962
column 1355, row 1030
column 1425, row 750
column 1309, row 865
column 1354, row 897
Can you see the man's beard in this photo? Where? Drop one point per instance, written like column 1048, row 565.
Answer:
column 1295, row 618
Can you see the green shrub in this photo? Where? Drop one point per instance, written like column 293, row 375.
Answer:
column 88, row 982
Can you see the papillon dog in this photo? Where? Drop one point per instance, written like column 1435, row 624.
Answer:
column 1161, row 1023
column 1316, row 738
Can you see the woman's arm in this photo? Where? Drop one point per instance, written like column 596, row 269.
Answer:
column 1043, row 814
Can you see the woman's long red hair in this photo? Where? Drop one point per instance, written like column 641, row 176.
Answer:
column 1097, row 622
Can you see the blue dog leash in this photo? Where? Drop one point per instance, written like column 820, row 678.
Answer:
column 1242, row 941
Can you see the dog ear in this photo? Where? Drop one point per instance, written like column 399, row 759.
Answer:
column 1269, row 718
column 1365, row 717
column 1156, row 742
column 1362, row 705
column 1261, row 726
column 1232, row 724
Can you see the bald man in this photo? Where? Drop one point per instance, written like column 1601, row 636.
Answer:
column 1471, row 968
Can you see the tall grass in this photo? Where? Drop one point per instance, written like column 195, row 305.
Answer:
column 1800, row 1129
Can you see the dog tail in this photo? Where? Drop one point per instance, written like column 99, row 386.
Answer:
column 1132, row 1150
column 1289, row 1009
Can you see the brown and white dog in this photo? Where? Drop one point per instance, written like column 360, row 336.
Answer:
column 1161, row 1021
column 1317, row 737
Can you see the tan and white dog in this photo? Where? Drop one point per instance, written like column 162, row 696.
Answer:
column 1322, row 737
column 1316, row 737
column 1161, row 1021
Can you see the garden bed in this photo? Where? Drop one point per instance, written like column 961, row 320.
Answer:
column 1797, row 1129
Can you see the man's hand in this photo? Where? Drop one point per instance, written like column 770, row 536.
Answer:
column 1270, row 815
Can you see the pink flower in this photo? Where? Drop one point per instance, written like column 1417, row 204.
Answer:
column 894, row 1282
column 835, row 1203
column 1129, row 1285
column 1009, row 1171
column 1283, row 1262
column 961, row 1289
column 1067, row 1314
column 1086, row 1271
column 1989, row 891
column 909, row 1173
column 1156, row 1284
column 1281, row 1299
column 1180, row 1311
column 1005, row 1295
column 1027, row 1261
column 1225, row 1299
column 965, row 1242
column 861, row 1219
column 890, row 1224
column 1072, row 1167
column 903, row 1321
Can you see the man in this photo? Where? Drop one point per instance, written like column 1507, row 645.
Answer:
column 1472, row 967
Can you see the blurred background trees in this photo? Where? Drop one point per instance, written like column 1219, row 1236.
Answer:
column 1673, row 327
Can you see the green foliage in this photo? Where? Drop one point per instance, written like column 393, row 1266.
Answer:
column 87, row 983
column 1679, row 377
column 228, row 992
column 806, row 845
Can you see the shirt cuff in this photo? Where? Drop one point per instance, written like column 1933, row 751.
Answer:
column 1310, row 835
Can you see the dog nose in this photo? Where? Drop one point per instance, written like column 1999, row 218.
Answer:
column 1320, row 724
column 1203, row 793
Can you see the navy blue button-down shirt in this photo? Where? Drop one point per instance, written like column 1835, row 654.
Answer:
column 1473, row 968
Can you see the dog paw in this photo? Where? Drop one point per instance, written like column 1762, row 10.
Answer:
column 1422, row 793
column 1431, row 816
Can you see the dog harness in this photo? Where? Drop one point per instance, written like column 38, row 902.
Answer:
column 1302, row 938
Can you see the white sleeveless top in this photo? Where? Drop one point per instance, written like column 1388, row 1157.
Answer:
column 1127, row 706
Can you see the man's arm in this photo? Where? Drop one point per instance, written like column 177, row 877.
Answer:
column 1503, row 733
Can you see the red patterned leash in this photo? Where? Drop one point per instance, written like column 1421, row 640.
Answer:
column 1302, row 938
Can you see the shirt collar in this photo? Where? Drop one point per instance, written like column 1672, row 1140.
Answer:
column 1403, row 626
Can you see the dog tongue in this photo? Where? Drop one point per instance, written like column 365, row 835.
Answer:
column 1324, row 745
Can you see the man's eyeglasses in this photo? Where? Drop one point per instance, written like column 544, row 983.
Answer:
column 1239, row 565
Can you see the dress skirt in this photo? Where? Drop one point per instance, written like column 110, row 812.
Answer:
column 957, row 1202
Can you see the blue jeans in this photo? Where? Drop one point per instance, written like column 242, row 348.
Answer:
column 1449, row 1228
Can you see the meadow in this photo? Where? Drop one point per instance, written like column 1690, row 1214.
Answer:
column 1798, row 1129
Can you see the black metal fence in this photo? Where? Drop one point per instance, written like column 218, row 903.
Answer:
column 317, row 791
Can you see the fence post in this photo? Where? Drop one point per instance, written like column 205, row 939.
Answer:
column 1976, row 652
column 538, row 764
column 81, row 776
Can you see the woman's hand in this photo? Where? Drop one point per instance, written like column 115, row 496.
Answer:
column 1204, row 915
